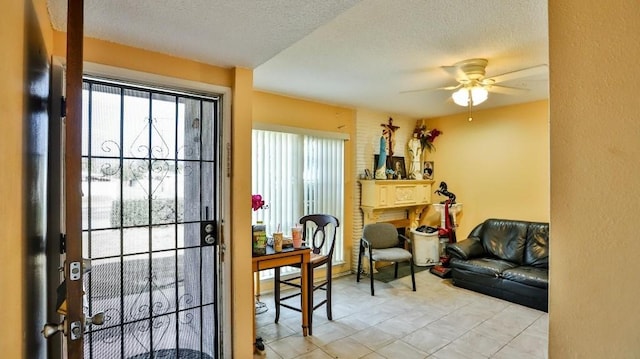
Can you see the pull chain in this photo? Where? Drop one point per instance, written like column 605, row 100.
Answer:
column 470, row 104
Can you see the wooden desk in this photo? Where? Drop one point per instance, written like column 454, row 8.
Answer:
column 288, row 256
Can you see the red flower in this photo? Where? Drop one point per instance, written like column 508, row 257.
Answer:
column 433, row 134
column 427, row 137
column 257, row 202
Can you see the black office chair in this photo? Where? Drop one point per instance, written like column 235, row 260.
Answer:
column 380, row 242
column 322, row 229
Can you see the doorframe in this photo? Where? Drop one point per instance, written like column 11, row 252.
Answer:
column 225, row 248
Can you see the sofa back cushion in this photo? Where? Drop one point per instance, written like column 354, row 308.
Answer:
column 504, row 239
column 536, row 252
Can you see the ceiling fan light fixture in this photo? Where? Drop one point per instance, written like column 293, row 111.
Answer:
column 477, row 95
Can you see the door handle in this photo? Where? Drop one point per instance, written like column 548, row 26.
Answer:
column 97, row 319
column 51, row 329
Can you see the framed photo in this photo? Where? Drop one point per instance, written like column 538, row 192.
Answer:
column 427, row 170
column 394, row 164
column 397, row 165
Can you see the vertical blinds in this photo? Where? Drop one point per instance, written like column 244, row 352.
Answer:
column 296, row 175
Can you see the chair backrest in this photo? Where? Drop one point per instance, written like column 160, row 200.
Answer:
column 381, row 235
column 321, row 228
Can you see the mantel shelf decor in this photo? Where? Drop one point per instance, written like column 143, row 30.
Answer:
column 422, row 139
column 378, row 196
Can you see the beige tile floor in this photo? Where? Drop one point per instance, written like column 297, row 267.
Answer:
column 438, row 321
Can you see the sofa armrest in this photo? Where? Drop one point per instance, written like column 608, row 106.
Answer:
column 466, row 249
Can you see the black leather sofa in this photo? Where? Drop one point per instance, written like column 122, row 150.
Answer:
column 507, row 259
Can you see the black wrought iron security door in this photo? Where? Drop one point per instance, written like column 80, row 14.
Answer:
column 150, row 169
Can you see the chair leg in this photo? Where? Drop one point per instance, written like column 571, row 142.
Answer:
column 276, row 292
column 413, row 277
column 395, row 270
column 328, row 304
column 371, row 274
column 359, row 262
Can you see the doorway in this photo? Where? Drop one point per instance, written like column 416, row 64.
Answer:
column 151, row 181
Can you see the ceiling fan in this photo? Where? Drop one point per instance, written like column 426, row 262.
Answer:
column 473, row 87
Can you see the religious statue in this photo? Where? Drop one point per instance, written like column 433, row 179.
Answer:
column 381, row 166
column 415, row 151
column 389, row 133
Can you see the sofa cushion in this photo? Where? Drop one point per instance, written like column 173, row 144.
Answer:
column 485, row 266
column 536, row 277
column 536, row 252
column 505, row 239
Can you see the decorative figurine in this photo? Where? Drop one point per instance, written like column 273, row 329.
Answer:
column 389, row 133
column 443, row 191
column 381, row 169
column 415, row 151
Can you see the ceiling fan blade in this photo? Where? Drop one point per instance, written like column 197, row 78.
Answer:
column 507, row 90
column 448, row 88
column 417, row 90
column 456, row 72
column 527, row 72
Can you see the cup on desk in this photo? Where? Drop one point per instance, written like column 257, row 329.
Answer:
column 296, row 234
column 277, row 241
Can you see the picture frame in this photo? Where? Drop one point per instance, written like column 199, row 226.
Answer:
column 427, row 170
column 398, row 167
column 395, row 164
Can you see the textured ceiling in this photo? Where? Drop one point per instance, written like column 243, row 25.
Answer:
column 360, row 54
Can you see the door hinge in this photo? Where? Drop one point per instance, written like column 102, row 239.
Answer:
column 63, row 243
column 63, row 107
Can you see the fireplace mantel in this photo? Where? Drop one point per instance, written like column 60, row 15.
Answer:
column 378, row 196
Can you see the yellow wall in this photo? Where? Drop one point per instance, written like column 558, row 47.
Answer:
column 242, row 280
column 595, row 197
column 17, row 16
column 12, row 234
column 126, row 57
column 497, row 164
column 286, row 111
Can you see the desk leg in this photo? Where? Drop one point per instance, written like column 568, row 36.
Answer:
column 304, row 278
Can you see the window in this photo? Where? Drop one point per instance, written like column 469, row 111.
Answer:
column 297, row 174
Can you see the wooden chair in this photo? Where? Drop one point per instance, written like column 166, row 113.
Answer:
column 319, row 233
column 380, row 242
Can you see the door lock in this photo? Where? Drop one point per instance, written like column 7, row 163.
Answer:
column 76, row 330
column 207, row 233
column 76, row 267
column 74, row 271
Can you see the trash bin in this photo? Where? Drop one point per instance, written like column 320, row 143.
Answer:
column 425, row 248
